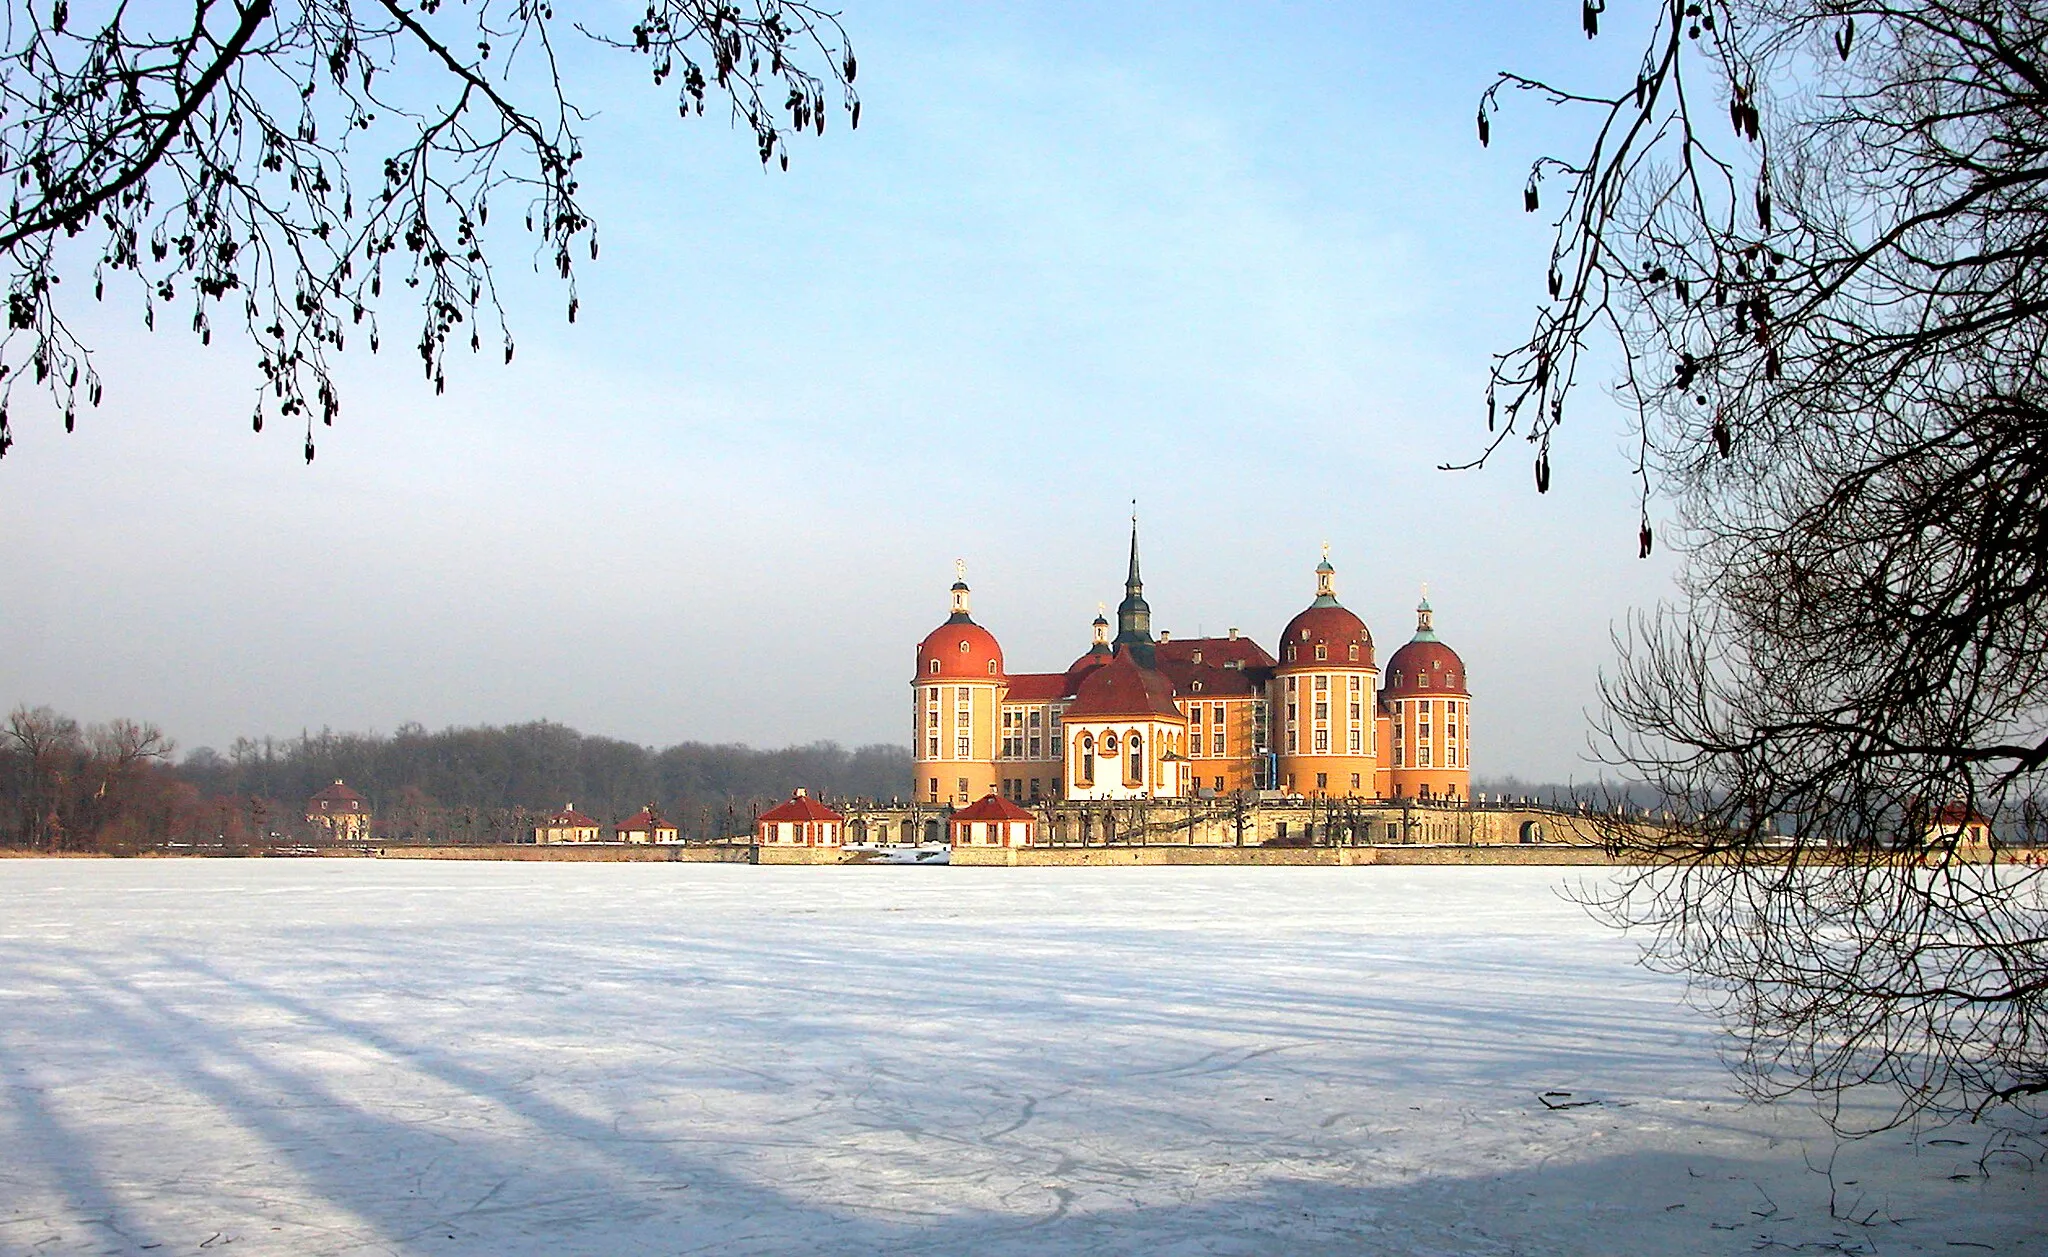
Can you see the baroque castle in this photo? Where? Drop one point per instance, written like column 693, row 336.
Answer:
column 1139, row 718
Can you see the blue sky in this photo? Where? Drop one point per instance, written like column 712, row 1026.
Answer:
column 1244, row 263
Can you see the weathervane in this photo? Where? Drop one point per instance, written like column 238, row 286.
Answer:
column 960, row 569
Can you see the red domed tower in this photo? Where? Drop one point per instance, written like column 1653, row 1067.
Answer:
column 1430, row 717
column 956, row 700
column 1321, row 698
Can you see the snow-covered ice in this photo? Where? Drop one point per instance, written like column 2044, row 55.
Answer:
column 346, row 1056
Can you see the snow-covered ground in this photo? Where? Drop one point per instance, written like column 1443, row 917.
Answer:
column 341, row 1056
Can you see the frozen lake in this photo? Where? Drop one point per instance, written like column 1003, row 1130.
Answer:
column 344, row 1056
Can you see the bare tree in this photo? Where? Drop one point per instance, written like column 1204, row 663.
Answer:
column 1818, row 235
column 274, row 163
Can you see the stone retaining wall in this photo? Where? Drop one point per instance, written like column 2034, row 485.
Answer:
column 571, row 852
column 1132, row 857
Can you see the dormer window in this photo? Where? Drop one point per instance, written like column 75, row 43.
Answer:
column 991, row 667
column 1290, row 654
column 1322, row 651
column 935, row 667
column 964, row 647
column 1197, row 687
column 1354, row 652
column 1198, row 656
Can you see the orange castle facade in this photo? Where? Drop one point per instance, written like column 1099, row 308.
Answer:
column 1138, row 718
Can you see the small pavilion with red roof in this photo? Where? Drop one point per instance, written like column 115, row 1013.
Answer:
column 646, row 826
column 339, row 813
column 992, row 822
column 801, row 822
column 567, row 825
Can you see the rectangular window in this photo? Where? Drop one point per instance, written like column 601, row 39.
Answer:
column 1322, row 739
column 1423, row 757
column 1322, row 684
column 1356, row 682
column 1290, row 684
column 931, row 750
column 963, row 746
column 1357, row 742
column 1037, row 745
column 1322, row 781
column 1354, row 781
column 1293, row 711
column 1195, row 713
column 1322, row 711
column 1451, row 757
column 1216, row 743
column 1216, row 714
column 1037, row 718
column 1357, row 711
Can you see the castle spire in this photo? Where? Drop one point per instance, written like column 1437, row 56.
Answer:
column 1134, row 614
column 1132, row 583
column 1424, row 630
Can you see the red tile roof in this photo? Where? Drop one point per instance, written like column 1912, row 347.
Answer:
column 339, row 793
column 569, row 818
column 1426, row 667
column 801, row 808
column 1337, row 629
column 643, row 820
column 1121, row 688
column 1036, row 687
column 962, row 649
column 1215, row 651
column 992, row 807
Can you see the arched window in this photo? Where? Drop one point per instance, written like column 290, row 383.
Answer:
column 1354, row 650
column 991, row 667
column 935, row 667
column 1322, row 651
column 1109, row 744
column 1134, row 760
column 1084, row 760
column 964, row 647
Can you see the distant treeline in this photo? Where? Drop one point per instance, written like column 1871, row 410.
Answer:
column 540, row 767
column 116, row 787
